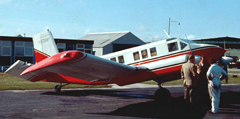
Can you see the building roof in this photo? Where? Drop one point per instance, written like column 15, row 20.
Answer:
column 15, row 38
column 103, row 39
column 219, row 40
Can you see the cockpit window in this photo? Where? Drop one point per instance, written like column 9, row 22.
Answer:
column 183, row 45
column 172, row 46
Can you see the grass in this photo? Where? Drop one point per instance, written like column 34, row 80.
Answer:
column 231, row 80
column 8, row 82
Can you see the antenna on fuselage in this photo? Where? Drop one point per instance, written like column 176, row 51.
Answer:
column 189, row 45
column 167, row 33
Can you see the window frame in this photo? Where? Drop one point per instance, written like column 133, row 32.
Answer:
column 25, row 47
column 63, row 48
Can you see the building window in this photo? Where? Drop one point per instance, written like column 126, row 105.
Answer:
column 23, row 48
column 136, row 56
column 5, row 48
column 144, row 54
column 153, row 51
column 61, row 47
column 84, row 48
column 88, row 48
column 80, row 47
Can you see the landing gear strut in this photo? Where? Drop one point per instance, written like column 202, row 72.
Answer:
column 58, row 87
column 162, row 94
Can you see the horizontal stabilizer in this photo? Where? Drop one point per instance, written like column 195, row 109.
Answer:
column 17, row 68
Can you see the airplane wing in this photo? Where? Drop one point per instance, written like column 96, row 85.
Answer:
column 76, row 65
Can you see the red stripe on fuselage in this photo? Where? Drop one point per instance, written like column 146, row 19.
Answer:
column 208, row 53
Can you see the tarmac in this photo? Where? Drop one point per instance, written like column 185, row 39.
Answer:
column 128, row 102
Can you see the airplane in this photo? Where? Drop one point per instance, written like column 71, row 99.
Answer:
column 160, row 61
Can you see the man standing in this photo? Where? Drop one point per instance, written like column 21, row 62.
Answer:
column 189, row 74
column 202, row 81
column 214, row 84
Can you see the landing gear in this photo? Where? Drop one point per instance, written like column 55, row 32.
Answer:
column 58, row 87
column 162, row 94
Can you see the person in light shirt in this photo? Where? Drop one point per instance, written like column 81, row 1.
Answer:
column 214, row 84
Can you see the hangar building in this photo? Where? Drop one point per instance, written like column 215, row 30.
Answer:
column 21, row 48
column 224, row 42
column 105, row 43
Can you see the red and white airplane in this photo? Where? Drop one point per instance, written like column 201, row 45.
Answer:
column 160, row 61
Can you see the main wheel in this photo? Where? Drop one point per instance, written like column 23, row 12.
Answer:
column 162, row 95
column 58, row 88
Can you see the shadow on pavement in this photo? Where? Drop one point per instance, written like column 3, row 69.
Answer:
column 175, row 108
column 230, row 103
column 114, row 93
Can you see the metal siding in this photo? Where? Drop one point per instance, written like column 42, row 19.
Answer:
column 107, row 49
column 103, row 39
column 129, row 39
column 98, row 51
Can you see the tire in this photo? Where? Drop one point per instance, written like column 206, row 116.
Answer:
column 162, row 95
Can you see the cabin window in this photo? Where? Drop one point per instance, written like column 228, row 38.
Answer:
column 120, row 59
column 136, row 56
column 183, row 45
column 144, row 53
column 113, row 59
column 153, row 51
column 172, row 46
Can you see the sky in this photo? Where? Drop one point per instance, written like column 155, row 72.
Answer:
column 146, row 19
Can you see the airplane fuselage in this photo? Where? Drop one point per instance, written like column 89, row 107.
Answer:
column 165, row 58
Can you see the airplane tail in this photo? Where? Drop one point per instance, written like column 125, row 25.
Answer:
column 44, row 45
